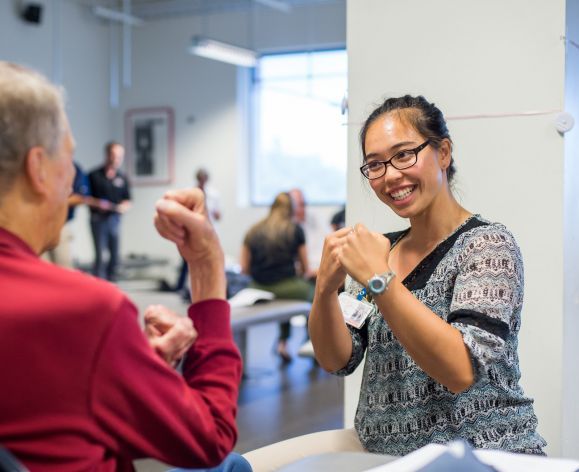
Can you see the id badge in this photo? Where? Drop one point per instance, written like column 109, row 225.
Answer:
column 355, row 311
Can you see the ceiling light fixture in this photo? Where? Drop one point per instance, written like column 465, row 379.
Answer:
column 115, row 15
column 224, row 52
column 276, row 5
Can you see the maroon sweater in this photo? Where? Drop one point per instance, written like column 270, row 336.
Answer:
column 81, row 389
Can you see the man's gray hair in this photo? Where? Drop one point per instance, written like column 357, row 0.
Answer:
column 31, row 114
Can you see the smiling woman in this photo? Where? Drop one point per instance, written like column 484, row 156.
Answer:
column 441, row 301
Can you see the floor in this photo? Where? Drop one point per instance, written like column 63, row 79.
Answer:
column 276, row 402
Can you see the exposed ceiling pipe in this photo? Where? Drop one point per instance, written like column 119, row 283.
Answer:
column 127, row 45
column 157, row 8
column 127, row 21
column 276, row 5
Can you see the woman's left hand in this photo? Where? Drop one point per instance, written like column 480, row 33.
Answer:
column 364, row 253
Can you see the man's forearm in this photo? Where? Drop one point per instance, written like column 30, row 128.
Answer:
column 208, row 279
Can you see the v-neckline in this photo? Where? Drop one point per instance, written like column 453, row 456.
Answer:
column 418, row 276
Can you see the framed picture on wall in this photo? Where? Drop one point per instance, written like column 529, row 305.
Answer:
column 150, row 141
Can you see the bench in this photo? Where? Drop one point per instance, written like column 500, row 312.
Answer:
column 133, row 267
column 277, row 310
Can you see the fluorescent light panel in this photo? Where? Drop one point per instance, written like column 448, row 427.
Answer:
column 276, row 5
column 223, row 52
column 115, row 15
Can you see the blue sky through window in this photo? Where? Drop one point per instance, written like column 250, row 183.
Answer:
column 299, row 136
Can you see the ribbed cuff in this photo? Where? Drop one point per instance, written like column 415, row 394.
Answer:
column 211, row 318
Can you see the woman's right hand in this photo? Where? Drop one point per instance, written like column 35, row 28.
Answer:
column 330, row 337
column 331, row 274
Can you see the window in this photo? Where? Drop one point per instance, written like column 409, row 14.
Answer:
column 299, row 133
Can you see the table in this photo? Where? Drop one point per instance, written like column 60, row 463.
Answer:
column 338, row 462
column 500, row 460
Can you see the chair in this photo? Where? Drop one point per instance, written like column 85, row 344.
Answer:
column 272, row 457
column 9, row 463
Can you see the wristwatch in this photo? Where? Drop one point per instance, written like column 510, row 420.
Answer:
column 379, row 283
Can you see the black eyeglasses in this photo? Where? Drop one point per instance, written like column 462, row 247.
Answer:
column 401, row 160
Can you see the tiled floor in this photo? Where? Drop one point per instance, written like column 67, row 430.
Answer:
column 276, row 402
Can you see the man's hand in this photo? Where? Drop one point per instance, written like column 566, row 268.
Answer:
column 122, row 207
column 169, row 334
column 182, row 218
column 103, row 204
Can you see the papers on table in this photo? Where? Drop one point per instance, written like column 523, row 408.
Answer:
column 250, row 296
column 508, row 462
column 500, row 460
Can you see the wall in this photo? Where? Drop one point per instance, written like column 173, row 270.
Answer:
column 208, row 98
column 472, row 58
column 571, row 238
column 70, row 46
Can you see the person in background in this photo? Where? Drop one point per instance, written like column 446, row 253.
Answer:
column 214, row 212
column 62, row 254
column 435, row 309
column 271, row 249
column 84, row 387
column 211, row 195
column 298, row 205
column 111, row 198
column 314, row 233
column 338, row 220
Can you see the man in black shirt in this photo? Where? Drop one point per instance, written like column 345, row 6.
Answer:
column 111, row 198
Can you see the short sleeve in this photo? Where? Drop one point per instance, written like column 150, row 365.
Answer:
column 359, row 336
column 80, row 184
column 300, row 236
column 488, row 294
column 92, row 184
column 127, row 190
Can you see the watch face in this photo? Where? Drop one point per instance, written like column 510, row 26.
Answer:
column 376, row 284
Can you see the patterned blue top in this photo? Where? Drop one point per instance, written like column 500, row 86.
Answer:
column 474, row 281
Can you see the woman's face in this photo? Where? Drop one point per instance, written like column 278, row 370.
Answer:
column 409, row 192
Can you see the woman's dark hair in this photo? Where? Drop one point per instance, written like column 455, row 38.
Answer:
column 424, row 116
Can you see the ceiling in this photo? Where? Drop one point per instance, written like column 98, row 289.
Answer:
column 151, row 9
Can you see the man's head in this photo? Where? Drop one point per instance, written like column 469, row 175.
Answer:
column 31, row 114
column 299, row 205
column 202, row 177
column 36, row 148
column 114, row 155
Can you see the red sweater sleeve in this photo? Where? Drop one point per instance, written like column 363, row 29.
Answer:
column 143, row 408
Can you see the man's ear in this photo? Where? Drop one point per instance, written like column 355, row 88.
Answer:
column 35, row 168
column 445, row 154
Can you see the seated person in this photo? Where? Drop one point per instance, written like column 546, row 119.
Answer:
column 338, row 220
column 269, row 254
column 443, row 301
column 83, row 388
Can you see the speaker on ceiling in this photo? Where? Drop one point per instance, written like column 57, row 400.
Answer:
column 32, row 12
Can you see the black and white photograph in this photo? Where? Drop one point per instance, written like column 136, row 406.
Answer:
column 149, row 137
